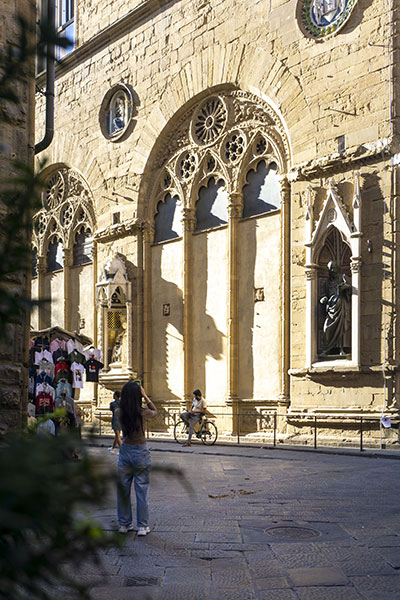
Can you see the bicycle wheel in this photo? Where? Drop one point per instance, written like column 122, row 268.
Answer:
column 209, row 433
column 181, row 432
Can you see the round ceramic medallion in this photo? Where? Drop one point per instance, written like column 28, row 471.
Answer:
column 116, row 111
column 322, row 18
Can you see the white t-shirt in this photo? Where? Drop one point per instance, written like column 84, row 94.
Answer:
column 199, row 404
column 77, row 374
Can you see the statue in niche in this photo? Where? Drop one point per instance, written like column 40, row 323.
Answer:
column 119, row 114
column 337, row 324
column 117, row 352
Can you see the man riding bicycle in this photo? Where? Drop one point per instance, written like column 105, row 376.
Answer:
column 193, row 416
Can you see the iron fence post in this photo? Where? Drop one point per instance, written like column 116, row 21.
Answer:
column 274, row 429
column 100, row 424
column 315, row 432
column 361, row 434
column 238, row 427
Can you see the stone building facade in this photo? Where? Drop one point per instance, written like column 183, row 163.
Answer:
column 211, row 159
column 16, row 143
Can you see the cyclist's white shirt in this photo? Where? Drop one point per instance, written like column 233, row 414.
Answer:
column 199, row 404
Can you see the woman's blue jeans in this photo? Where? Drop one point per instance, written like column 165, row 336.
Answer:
column 133, row 464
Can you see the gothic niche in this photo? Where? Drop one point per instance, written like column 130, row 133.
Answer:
column 116, row 112
column 114, row 303
column 334, row 298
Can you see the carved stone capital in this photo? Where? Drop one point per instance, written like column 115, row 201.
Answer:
column 235, row 210
column 355, row 265
column 41, row 265
column 285, row 189
column 189, row 219
column 310, row 273
column 68, row 258
column 148, row 231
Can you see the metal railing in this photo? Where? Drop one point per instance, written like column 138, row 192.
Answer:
column 267, row 428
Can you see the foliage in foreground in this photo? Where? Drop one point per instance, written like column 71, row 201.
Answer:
column 41, row 492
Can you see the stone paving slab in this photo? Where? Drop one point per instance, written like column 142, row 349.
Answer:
column 328, row 593
column 223, row 553
column 316, row 576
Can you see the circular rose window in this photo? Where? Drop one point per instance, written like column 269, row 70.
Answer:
column 116, row 112
column 209, row 120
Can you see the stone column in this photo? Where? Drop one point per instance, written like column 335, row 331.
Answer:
column 129, row 336
column 67, row 288
column 104, row 335
column 94, row 263
column 189, row 223
column 41, row 271
column 311, row 328
column 285, row 290
column 148, row 236
column 355, row 266
column 234, row 214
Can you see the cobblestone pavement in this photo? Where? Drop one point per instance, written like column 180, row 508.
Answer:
column 261, row 525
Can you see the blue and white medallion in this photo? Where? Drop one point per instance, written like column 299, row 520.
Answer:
column 321, row 18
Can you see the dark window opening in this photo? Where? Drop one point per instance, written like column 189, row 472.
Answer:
column 262, row 192
column 82, row 249
column 55, row 259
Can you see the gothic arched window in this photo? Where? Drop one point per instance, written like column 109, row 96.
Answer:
column 168, row 224
column 55, row 260
column 212, row 205
column 82, row 249
column 261, row 194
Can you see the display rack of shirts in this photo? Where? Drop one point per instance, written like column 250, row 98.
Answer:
column 77, row 370
column 93, row 368
column 43, row 354
column 76, row 356
column 47, row 367
column 57, row 344
column 63, row 387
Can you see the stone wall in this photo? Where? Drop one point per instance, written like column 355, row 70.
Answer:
column 175, row 54
column 16, row 142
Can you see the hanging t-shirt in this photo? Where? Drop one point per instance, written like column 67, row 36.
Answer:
column 74, row 345
column 63, row 388
column 93, row 367
column 77, row 370
column 43, row 354
column 59, row 353
column 76, row 356
column 47, row 367
column 56, row 344
column 44, row 403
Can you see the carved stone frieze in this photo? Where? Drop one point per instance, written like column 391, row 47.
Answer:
column 119, row 230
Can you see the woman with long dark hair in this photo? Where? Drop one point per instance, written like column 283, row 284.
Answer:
column 134, row 458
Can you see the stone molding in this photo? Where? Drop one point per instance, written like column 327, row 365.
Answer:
column 338, row 162
column 119, row 230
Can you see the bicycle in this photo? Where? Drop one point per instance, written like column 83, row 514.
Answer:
column 207, row 431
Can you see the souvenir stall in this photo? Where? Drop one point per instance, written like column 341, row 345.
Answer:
column 61, row 365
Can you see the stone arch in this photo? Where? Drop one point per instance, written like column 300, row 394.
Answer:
column 244, row 110
column 65, row 197
column 232, row 66
column 68, row 151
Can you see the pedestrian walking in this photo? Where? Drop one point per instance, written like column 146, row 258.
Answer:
column 134, row 458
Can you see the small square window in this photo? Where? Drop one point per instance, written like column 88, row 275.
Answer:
column 116, row 218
